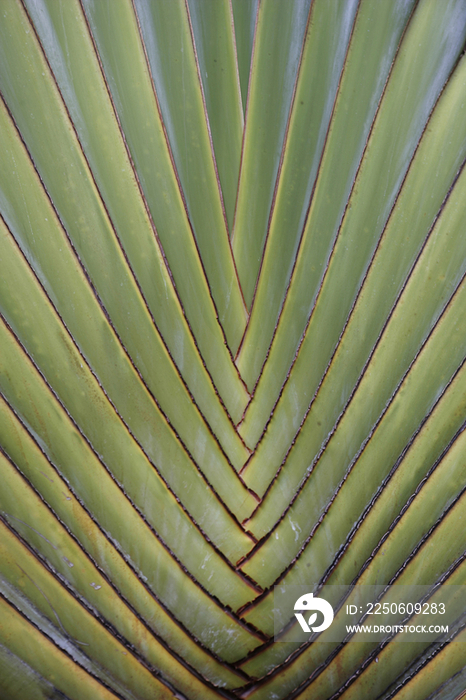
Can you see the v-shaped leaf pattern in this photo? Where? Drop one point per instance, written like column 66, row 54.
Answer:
column 232, row 321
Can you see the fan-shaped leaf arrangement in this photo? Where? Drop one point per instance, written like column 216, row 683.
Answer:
column 233, row 321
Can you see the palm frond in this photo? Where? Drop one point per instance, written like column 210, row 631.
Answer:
column 232, row 305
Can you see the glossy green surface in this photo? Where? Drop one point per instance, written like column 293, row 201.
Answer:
column 19, row 682
column 90, row 408
column 429, row 561
column 400, row 343
column 275, row 60
column 166, row 33
column 406, row 234
column 85, row 94
column 244, row 17
column 41, row 654
column 377, row 680
column 44, row 477
column 324, row 182
column 445, row 665
column 77, row 630
column 51, row 257
column 26, row 393
column 165, row 458
column 214, row 38
column 37, row 525
column 442, row 548
column 319, row 77
column 415, row 466
column 364, row 221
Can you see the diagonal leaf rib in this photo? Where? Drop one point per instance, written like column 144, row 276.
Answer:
column 319, row 75
column 413, row 570
column 176, row 83
column 325, row 212
column 169, row 452
column 41, row 472
column 444, row 320
column 383, row 518
column 213, row 40
column 155, row 509
column 244, row 16
column 397, row 254
column 86, row 317
column 351, row 260
column 112, row 168
column 84, row 581
column 157, row 377
column 40, row 653
column 41, row 588
column 276, row 55
column 151, row 557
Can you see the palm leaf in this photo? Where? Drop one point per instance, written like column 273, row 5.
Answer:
column 232, row 341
